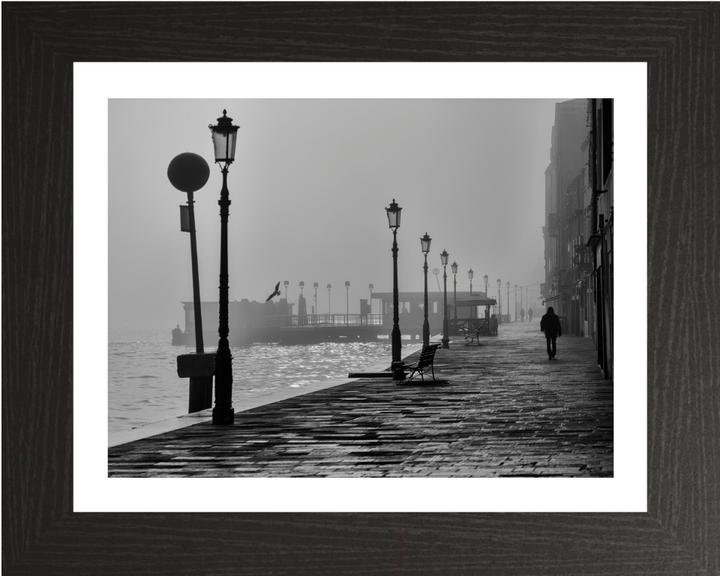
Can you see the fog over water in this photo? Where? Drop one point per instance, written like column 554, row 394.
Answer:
column 309, row 187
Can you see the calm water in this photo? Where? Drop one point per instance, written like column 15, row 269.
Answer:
column 144, row 386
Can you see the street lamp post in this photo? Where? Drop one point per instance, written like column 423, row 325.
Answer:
column 516, row 303
column 444, row 260
column 371, row 289
column 224, row 137
column 522, row 310
column 302, row 307
column 486, row 283
column 398, row 370
column 470, row 275
column 425, row 247
column 286, row 284
column 454, row 268
column 507, row 284
column 499, row 304
column 329, row 287
column 527, row 302
column 347, row 301
column 315, row 311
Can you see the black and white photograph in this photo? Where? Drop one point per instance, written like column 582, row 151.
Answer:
column 408, row 288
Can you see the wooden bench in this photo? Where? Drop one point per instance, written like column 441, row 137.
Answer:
column 427, row 357
column 473, row 335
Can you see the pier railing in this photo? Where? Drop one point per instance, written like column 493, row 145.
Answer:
column 318, row 320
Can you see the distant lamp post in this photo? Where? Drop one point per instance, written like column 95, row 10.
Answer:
column 522, row 315
column 398, row 370
column 444, row 260
column 286, row 284
column 302, row 308
column 188, row 173
column 371, row 289
column 516, row 309
column 470, row 275
column 436, row 271
column 454, row 268
column 486, row 284
column 507, row 284
column 499, row 305
column 224, row 137
column 315, row 285
column 425, row 247
column 527, row 302
column 347, row 301
column 329, row 287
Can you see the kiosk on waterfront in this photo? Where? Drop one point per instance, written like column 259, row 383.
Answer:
column 469, row 321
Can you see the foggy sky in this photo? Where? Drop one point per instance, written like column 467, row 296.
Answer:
column 309, row 187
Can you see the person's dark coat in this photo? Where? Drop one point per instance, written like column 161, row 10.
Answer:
column 550, row 324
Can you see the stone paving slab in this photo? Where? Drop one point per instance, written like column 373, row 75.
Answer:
column 502, row 410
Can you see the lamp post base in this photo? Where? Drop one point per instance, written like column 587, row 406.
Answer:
column 445, row 342
column 223, row 416
column 398, row 370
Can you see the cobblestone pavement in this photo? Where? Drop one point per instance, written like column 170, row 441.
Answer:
column 503, row 410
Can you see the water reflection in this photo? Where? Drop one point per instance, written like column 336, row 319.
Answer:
column 144, row 386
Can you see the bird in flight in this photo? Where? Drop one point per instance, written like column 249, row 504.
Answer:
column 276, row 293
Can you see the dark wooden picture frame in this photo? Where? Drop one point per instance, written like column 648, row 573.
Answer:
column 680, row 533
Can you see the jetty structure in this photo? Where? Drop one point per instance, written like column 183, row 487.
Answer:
column 280, row 322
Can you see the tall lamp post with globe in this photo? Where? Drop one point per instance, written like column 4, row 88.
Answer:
column 188, row 173
column 224, row 137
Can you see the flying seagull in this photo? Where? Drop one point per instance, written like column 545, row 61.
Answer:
column 276, row 293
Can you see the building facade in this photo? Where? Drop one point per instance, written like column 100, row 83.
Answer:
column 578, row 231
column 600, row 229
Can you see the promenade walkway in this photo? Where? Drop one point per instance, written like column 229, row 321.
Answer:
column 504, row 410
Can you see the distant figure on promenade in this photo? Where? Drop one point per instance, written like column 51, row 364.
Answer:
column 530, row 315
column 550, row 324
column 522, row 314
column 493, row 325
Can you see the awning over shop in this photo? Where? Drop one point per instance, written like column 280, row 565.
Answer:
column 477, row 302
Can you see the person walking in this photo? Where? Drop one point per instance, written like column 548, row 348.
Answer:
column 550, row 325
column 530, row 315
column 522, row 314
